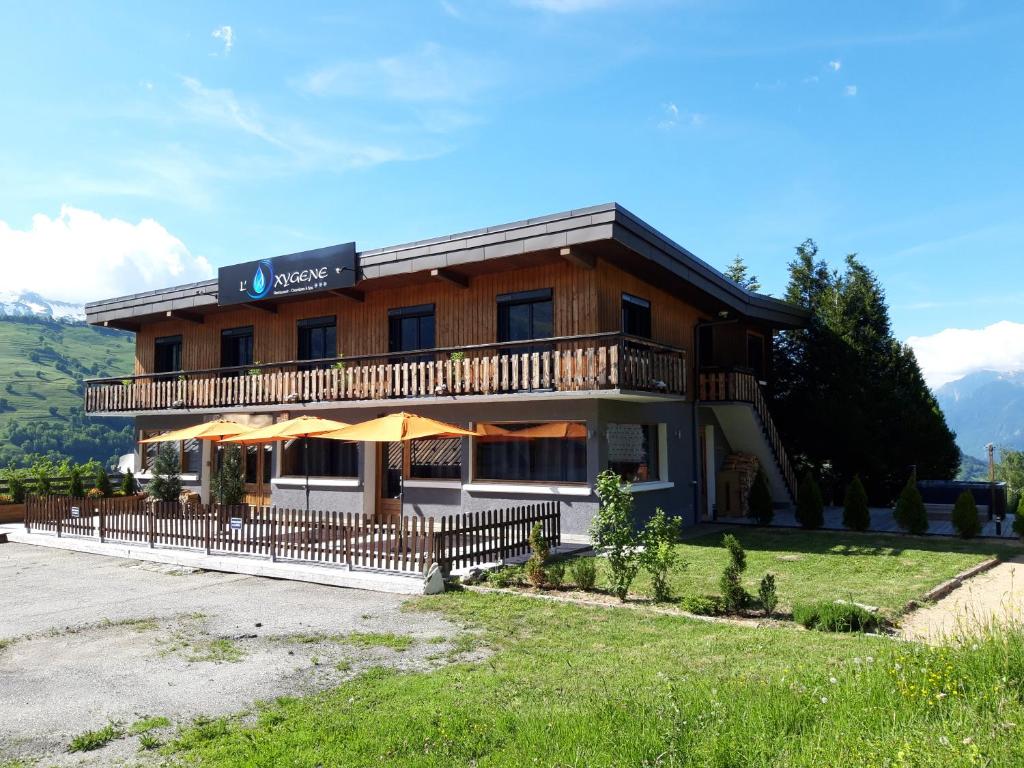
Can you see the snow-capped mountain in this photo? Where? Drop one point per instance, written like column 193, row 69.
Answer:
column 985, row 407
column 29, row 304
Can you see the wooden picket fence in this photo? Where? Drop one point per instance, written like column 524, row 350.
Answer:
column 400, row 543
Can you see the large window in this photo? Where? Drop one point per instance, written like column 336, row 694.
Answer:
column 317, row 338
column 411, row 328
column 636, row 316
column 540, row 452
column 633, row 452
column 236, row 347
column 167, row 354
column 189, row 452
column 436, row 459
column 250, row 457
column 327, row 458
column 526, row 315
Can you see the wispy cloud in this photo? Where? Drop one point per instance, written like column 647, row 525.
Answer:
column 850, row 90
column 672, row 117
column 955, row 352
column 568, row 6
column 835, row 65
column 227, row 35
column 451, row 9
column 430, row 73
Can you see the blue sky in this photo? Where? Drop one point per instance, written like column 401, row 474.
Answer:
column 153, row 141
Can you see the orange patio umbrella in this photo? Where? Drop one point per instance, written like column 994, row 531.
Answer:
column 303, row 427
column 566, row 430
column 209, row 430
column 398, row 427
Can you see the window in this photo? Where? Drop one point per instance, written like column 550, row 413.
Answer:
column 236, row 347
column 542, row 452
column 167, row 354
column 636, row 316
column 436, row 459
column 755, row 354
column 251, row 459
column 317, row 338
column 633, row 452
column 327, row 458
column 526, row 315
column 411, row 328
column 189, row 452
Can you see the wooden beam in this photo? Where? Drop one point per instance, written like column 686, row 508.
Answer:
column 585, row 260
column 266, row 306
column 191, row 317
column 352, row 294
column 450, row 277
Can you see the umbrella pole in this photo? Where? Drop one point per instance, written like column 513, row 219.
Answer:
column 305, row 460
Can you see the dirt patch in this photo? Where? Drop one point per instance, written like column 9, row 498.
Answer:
column 994, row 596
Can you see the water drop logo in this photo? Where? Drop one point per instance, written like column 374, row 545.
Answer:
column 262, row 281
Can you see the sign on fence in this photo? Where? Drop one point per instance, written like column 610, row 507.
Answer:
column 235, row 523
column 76, row 512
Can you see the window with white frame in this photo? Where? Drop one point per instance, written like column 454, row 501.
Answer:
column 634, row 452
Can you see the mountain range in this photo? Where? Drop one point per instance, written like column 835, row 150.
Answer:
column 29, row 304
column 985, row 407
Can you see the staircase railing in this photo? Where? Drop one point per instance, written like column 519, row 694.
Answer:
column 736, row 386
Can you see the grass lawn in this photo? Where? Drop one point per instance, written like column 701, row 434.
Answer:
column 569, row 685
column 887, row 571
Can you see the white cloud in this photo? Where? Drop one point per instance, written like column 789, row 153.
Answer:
column 450, row 9
column 850, row 90
column 430, row 73
column 955, row 352
column 81, row 256
column 811, row 79
column 672, row 117
column 227, row 35
column 835, row 65
column 567, row 6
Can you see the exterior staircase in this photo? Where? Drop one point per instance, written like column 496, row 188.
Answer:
column 742, row 412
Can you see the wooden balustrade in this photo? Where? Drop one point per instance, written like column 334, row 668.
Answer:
column 560, row 365
column 737, row 386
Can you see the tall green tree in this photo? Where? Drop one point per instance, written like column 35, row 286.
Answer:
column 849, row 397
column 739, row 273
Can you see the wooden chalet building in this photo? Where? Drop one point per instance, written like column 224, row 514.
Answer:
column 582, row 340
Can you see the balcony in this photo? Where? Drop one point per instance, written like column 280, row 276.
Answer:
column 608, row 361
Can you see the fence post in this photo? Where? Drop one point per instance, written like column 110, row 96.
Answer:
column 206, row 526
column 28, row 514
column 103, row 518
column 152, row 523
column 273, row 534
column 60, row 517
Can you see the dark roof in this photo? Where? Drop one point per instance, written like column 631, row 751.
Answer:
column 471, row 250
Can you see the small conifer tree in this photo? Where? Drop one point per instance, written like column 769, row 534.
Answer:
column 103, row 482
column 128, row 484
column 965, row 516
column 76, row 488
column 166, row 482
column 228, row 483
column 539, row 549
column 910, row 512
column 760, row 502
column 810, row 509
column 856, row 515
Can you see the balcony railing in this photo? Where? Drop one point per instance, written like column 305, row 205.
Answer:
column 738, row 386
column 568, row 363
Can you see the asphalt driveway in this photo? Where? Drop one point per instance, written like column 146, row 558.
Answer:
column 86, row 640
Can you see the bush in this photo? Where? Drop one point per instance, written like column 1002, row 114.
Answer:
column 166, row 482
column 734, row 596
column 41, row 485
column 660, row 536
column 965, row 516
column 856, row 515
column 737, row 555
column 534, row 569
column 103, row 482
column 612, row 530
column 767, row 595
column 703, row 605
column 228, row 483
column 94, row 493
column 556, row 574
column 506, row 577
column 834, row 617
column 1018, row 523
column 760, row 502
column 76, row 489
column 810, row 509
column 128, row 484
column 1012, row 502
column 5, row 499
column 910, row 513
column 583, row 572
column 16, row 487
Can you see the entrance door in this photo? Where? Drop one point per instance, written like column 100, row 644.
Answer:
column 392, row 466
column 257, row 460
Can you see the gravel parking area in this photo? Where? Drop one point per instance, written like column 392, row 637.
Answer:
column 87, row 640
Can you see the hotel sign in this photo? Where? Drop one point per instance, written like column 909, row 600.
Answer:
column 324, row 269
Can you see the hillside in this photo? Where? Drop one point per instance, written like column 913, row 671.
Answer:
column 985, row 407
column 42, row 365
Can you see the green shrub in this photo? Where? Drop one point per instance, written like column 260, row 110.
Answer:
column 16, row 487
column 856, row 515
column 227, row 485
column 834, row 617
column 734, row 596
column 166, row 482
column 583, row 572
column 910, row 512
column 128, row 484
column 556, row 574
column 810, row 509
column 90, row 740
column 1012, row 502
column 660, row 554
column 703, row 605
column 103, row 482
column 1018, row 523
column 965, row 516
column 760, row 502
column 76, row 489
column 41, row 483
column 737, row 555
column 509, row 576
column 767, row 595
column 534, row 569
column 612, row 530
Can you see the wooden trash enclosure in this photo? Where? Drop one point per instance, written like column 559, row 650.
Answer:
column 402, row 543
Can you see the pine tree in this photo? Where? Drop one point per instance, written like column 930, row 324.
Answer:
column 810, row 509
column 910, row 512
column 128, row 484
column 965, row 516
column 166, row 482
column 103, row 482
column 228, row 483
column 760, row 502
column 739, row 273
column 76, row 488
column 856, row 515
